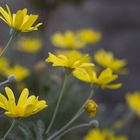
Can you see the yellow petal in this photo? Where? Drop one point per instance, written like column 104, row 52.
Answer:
column 18, row 21
column 28, row 110
column 3, row 102
column 10, row 94
column 29, row 22
column 112, row 86
column 23, row 97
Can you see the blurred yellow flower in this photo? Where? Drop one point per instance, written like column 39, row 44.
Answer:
column 133, row 101
column 97, row 134
column 89, row 36
column 19, row 21
column 4, row 64
column 71, row 59
column 107, row 60
column 104, row 79
column 25, row 107
column 29, row 45
column 68, row 40
column 91, row 107
column 19, row 71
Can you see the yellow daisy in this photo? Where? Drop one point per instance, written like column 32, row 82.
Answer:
column 97, row 134
column 104, row 79
column 20, row 20
column 107, row 60
column 71, row 59
column 25, row 107
column 29, row 45
column 68, row 40
column 133, row 101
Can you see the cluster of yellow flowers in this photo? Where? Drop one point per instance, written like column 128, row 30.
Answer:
column 97, row 134
column 78, row 64
column 75, row 40
column 82, row 68
column 26, row 106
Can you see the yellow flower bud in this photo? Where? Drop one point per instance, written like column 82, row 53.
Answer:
column 91, row 107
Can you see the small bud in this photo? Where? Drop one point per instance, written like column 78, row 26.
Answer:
column 94, row 123
column 11, row 78
column 91, row 107
column 40, row 66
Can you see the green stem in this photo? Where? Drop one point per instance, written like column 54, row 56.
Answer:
column 9, row 130
column 94, row 124
column 79, row 112
column 58, row 104
column 13, row 35
column 7, row 45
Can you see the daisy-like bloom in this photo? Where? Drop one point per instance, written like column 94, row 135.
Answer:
column 4, row 64
column 20, row 20
column 70, row 59
column 89, row 36
column 25, row 107
column 68, row 40
column 19, row 71
column 104, row 79
column 133, row 101
column 91, row 107
column 97, row 134
column 107, row 60
column 29, row 45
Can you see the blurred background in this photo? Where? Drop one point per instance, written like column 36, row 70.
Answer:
column 119, row 23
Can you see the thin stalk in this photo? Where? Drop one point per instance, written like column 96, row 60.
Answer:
column 4, row 82
column 77, row 127
column 79, row 112
column 58, row 103
column 13, row 35
column 9, row 130
column 7, row 45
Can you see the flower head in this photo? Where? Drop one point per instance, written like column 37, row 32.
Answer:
column 97, row 134
column 29, row 45
column 107, row 60
column 68, row 40
column 104, row 79
column 19, row 71
column 25, row 107
column 89, row 36
column 4, row 64
column 20, row 20
column 91, row 107
column 133, row 101
column 71, row 59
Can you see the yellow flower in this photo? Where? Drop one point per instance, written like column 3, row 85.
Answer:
column 107, row 60
column 4, row 64
column 25, row 107
column 96, row 134
column 133, row 101
column 104, row 79
column 19, row 71
column 68, row 40
column 89, row 36
column 20, row 20
column 29, row 45
column 91, row 107
column 71, row 59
